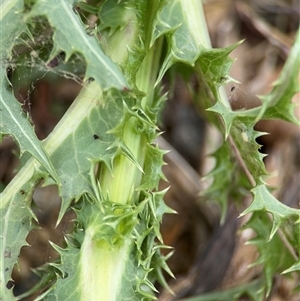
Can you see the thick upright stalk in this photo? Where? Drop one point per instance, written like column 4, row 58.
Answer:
column 126, row 176
column 104, row 262
column 107, row 261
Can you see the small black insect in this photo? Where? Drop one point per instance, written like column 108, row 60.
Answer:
column 96, row 136
column 232, row 88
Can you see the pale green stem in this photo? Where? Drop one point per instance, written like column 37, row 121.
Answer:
column 102, row 268
column 102, row 263
column 120, row 185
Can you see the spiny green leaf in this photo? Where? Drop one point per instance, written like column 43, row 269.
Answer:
column 111, row 222
column 120, row 148
column 171, row 20
column 143, row 124
column 176, row 20
column 160, row 266
column 114, row 14
column 10, row 10
column 264, row 201
column 215, row 65
column 67, row 284
column 152, row 168
column 125, row 38
column 70, row 37
column 16, row 222
column 226, row 177
column 14, row 123
column 147, row 250
column 226, row 114
column 240, row 126
column 245, row 137
column 273, row 254
column 158, row 208
column 277, row 104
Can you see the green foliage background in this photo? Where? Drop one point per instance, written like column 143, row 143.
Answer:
column 118, row 106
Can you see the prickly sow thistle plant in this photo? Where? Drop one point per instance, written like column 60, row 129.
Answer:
column 102, row 154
